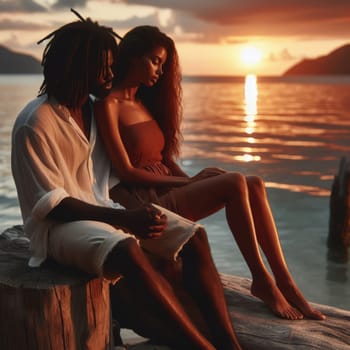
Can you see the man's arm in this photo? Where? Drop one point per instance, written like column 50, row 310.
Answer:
column 145, row 222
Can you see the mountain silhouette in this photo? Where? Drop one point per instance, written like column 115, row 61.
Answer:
column 18, row 63
column 336, row 62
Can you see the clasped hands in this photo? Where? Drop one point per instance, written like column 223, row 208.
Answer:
column 147, row 222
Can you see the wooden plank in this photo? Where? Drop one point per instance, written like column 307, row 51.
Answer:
column 257, row 328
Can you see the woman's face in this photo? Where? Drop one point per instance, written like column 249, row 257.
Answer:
column 149, row 67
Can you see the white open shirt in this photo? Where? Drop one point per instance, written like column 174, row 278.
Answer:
column 52, row 159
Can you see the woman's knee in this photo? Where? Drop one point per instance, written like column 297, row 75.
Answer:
column 235, row 184
column 256, row 184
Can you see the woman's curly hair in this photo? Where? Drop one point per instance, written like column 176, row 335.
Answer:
column 163, row 100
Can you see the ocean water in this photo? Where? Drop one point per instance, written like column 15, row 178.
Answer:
column 290, row 131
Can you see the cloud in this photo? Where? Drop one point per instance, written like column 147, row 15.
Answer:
column 133, row 21
column 189, row 29
column 180, row 25
column 29, row 6
column 12, row 41
column 283, row 55
column 20, row 6
column 209, row 21
column 9, row 24
column 69, row 3
column 269, row 17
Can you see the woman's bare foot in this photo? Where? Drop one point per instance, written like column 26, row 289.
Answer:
column 295, row 297
column 266, row 290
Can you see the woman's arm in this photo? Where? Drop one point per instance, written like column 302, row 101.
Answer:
column 107, row 114
column 203, row 174
column 174, row 167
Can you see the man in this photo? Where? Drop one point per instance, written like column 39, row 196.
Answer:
column 61, row 174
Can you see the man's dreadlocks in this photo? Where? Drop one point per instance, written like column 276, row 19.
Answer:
column 74, row 58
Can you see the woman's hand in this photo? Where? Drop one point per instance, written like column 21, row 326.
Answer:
column 206, row 173
column 146, row 222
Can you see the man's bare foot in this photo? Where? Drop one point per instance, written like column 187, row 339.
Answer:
column 295, row 297
column 268, row 292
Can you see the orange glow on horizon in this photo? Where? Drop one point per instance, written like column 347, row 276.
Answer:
column 250, row 56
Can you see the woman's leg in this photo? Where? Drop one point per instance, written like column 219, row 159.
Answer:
column 128, row 259
column 202, row 198
column 268, row 239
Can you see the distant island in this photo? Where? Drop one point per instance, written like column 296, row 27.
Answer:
column 335, row 63
column 18, row 63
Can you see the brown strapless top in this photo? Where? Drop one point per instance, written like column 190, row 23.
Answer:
column 144, row 142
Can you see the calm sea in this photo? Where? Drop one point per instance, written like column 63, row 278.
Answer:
column 291, row 131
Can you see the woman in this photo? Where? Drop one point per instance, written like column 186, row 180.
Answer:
column 140, row 124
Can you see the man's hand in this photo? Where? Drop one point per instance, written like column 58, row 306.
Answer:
column 146, row 222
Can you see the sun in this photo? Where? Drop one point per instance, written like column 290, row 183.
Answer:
column 250, row 55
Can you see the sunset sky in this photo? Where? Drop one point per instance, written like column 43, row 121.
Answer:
column 221, row 37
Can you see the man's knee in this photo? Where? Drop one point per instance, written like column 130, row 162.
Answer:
column 199, row 241
column 201, row 235
column 127, row 254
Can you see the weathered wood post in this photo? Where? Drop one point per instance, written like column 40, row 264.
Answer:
column 51, row 307
column 339, row 222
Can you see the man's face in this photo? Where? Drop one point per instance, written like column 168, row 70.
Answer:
column 103, row 84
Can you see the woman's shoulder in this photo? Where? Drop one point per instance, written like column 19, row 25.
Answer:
column 111, row 97
column 109, row 100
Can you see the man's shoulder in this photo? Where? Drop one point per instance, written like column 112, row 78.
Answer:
column 32, row 107
column 35, row 111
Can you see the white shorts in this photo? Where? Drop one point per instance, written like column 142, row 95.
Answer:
column 86, row 244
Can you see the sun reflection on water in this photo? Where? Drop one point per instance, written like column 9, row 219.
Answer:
column 251, row 112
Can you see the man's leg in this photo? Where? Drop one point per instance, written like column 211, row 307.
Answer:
column 128, row 304
column 203, row 282
column 166, row 320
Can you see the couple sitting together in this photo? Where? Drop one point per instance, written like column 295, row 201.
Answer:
column 94, row 162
